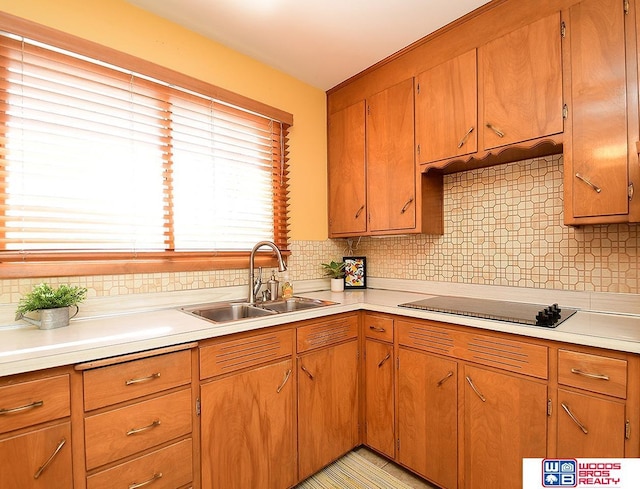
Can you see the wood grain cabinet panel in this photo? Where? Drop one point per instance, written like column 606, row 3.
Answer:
column 595, row 373
column 521, row 84
column 347, row 171
column 248, row 429
column 428, row 416
column 596, row 161
column 379, row 397
column 378, row 327
column 447, row 109
column 505, row 420
column 23, row 459
column 32, row 402
column 326, row 332
column 327, row 405
column 118, row 433
column 125, row 381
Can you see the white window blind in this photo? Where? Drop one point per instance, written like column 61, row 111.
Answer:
column 97, row 158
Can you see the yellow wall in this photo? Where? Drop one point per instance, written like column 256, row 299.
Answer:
column 122, row 26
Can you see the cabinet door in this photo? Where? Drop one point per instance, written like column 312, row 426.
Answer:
column 590, row 427
column 327, row 406
column 427, row 416
column 391, row 174
column 505, row 420
column 37, row 459
column 596, row 148
column 447, row 109
column 379, row 397
column 347, row 194
column 248, row 430
column 522, row 84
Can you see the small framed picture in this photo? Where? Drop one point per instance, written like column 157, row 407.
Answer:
column 355, row 272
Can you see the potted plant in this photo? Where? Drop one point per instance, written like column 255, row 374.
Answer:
column 335, row 270
column 52, row 304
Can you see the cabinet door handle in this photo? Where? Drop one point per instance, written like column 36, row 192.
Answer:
column 137, row 485
column 482, row 398
column 284, row 381
column 382, row 362
column 135, row 431
column 465, row 137
column 498, row 132
column 446, row 377
column 359, row 211
column 406, row 205
column 590, row 375
column 22, row 408
column 377, row 329
column 306, row 372
column 142, row 379
column 575, row 420
column 50, row 459
column 588, row 182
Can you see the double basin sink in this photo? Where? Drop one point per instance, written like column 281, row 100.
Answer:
column 224, row 312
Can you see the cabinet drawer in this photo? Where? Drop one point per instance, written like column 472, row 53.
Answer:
column 25, row 456
column 167, row 468
column 326, row 333
column 33, row 402
column 378, row 327
column 117, row 383
column 594, row 373
column 230, row 356
column 122, row 432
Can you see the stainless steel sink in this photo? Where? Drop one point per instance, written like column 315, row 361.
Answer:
column 224, row 312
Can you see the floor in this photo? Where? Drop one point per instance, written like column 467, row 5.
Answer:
column 393, row 469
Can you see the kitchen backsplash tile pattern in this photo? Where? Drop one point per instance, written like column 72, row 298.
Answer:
column 503, row 226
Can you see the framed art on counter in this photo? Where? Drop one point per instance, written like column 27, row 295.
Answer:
column 355, row 272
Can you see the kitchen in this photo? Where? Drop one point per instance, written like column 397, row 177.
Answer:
column 503, row 229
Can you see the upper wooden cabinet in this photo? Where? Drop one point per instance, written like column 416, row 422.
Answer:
column 391, row 175
column 347, row 184
column 374, row 188
column 447, row 109
column 521, row 84
column 597, row 154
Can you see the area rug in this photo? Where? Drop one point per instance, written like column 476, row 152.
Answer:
column 352, row 472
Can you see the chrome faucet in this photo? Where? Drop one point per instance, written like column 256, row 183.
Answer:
column 254, row 285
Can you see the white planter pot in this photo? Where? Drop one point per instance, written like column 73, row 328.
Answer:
column 337, row 285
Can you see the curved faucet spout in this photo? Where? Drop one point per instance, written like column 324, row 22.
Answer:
column 254, row 285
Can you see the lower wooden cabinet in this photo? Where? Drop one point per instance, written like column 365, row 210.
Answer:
column 428, row 416
column 248, row 430
column 505, row 420
column 379, row 397
column 327, row 405
column 37, row 459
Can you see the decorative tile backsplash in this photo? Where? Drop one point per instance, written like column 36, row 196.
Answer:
column 503, row 226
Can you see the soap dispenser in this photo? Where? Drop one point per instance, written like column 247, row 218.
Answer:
column 273, row 286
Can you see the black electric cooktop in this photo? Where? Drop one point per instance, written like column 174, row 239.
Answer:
column 549, row 316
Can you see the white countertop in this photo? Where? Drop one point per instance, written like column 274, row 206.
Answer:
column 25, row 348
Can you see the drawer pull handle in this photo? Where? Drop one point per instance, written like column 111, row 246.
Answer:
column 445, row 378
column 588, row 182
column 22, row 408
column 306, row 372
column 406, row 205
column 142, row 379
column 135, row 431
column 498, row 132
column 575, row 420
column 382, row 362
column 44, row 466
column 377, row 329
column 465, row 137
column 591, row 376
column 137, row 485
column 284, row 381
column 482, row 398
column 359, row 211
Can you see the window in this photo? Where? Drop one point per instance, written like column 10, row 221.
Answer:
column 101, row 163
